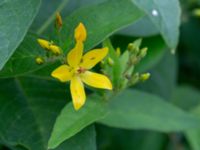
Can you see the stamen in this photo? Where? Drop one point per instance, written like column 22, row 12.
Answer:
column 81, row 70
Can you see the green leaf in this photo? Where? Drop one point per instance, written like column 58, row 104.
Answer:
column 166, row 17
column 156, row 51
column 23, row 60
column 114, row 71
column 105, row 19
column 193, row 135
column 155, row 45
column 69, row 122
column 84, row 140
column 16, row 17
column 142, row 28
column 162, row 77
column 102, row 22
column 17, row 125
column 116, row 138
column 188, row 98
column 138, row 110
column 28, row 109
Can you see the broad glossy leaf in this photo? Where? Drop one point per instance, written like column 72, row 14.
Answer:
column 105, row 19
column 69, row 122
column 95, row 23
column 28, row 109
column 23, row 60
column 156, row 51
column 116, row 138
column 155, row 45
column 17, row 125
column 16, row 16
column 188, row 98
column 66, row 7
column 138, row 110
column 163, row 77
column 193, row 135
column 165, row 15
column 84, row 140
column 142, row 28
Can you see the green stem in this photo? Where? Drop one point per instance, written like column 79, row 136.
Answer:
column 52, row 17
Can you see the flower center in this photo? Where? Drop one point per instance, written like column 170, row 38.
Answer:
column 81, row 70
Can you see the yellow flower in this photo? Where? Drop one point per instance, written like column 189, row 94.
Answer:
column 77, row 70
column 49, row 46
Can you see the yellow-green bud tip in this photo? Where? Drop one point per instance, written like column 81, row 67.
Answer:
column 118, row 51
column 143, row 52
column 196, row 12
column 130, row 46
column 39, row 60
column 145, row 76
column 110, row 61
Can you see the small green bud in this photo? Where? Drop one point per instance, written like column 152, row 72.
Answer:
column 130, row 46
column 133, row 60
column 39, row 60
column 135, row 46
column 135, row 78
column 145, row 76
column 196, row 12
column 143, row 52
column 110, row 61
column 118, row 51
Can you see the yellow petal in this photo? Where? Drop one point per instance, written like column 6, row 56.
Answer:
column 74, row 56
column 91, row 58
column 77, row 92
column 55, row 49
column 44, row 43
column 96, row 80
column 80, row 33
column 63, row 73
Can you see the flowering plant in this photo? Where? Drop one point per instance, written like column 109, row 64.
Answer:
column 100, row 74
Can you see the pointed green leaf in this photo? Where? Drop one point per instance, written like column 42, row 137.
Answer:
column 23, row 60
column 69, row 122
column 165, row 15
column 16, row 16
column 106, row 18
column 28, row 109
column 138, row 110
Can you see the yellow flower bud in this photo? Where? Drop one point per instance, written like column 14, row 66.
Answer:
column 44, row 43
column 145, row 76
column 55, row 49
column 39, row 60
column 59, row 21
column 80, row 33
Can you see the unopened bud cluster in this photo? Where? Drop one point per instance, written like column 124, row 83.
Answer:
column 121, row 67
column 136, row 53
column 52, row 50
